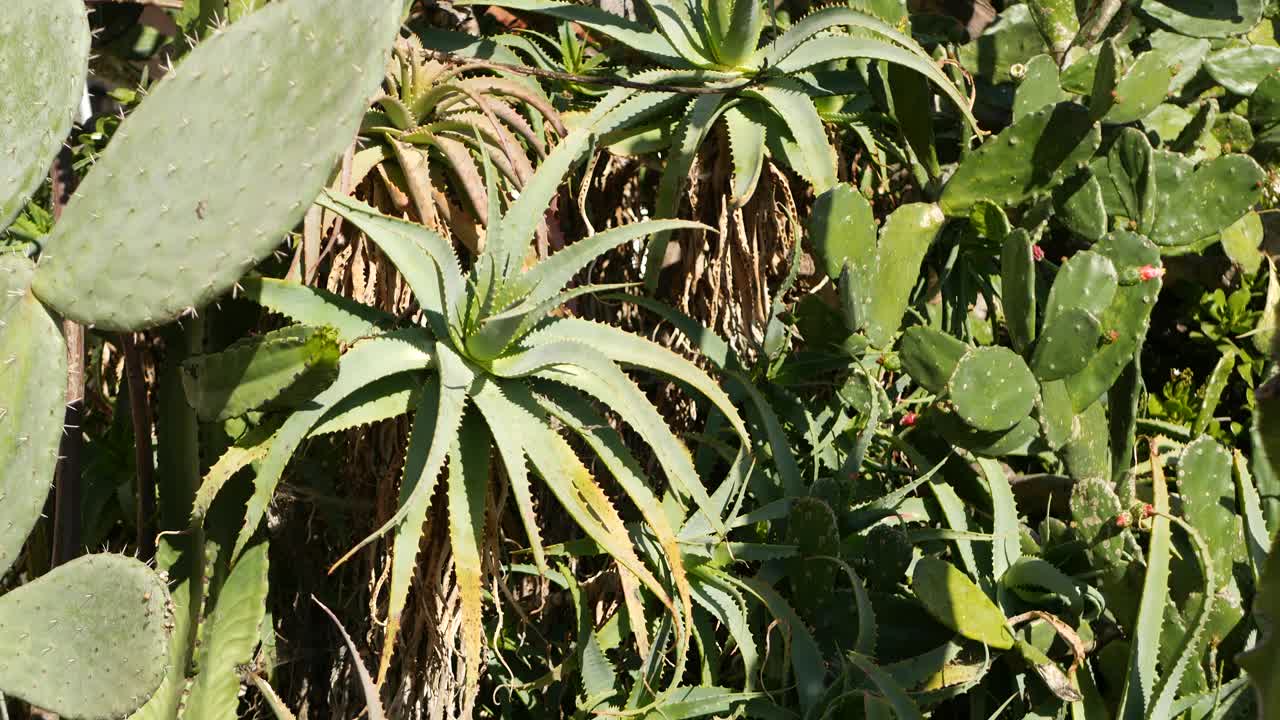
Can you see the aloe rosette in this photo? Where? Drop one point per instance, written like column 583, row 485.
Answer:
column 763, row 92
column 490, row 369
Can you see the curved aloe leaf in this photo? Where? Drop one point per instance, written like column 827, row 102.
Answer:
column 423, row 257
column 366, row 362
column 746, row 145
column 628, row 32
column 791, row 103
column 316, row 307
column 468, row 490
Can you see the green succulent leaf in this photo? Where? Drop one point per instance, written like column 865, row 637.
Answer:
column 45, row 58
column 953, row 600
column 182, row 226
column 115, row 630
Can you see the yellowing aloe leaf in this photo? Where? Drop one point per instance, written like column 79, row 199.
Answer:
column 468, row 485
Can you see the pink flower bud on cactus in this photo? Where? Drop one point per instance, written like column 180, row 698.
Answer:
column 1150, row 272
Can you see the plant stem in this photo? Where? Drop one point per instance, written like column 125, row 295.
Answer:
column 140, row 411
column 67, row 481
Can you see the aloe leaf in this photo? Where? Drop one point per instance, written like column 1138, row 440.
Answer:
column 715, row 349
column 1007, row 548
column 576, row 413
column 1213, row 389
column 514, row 417
column 700, row 115
column 546, row 279
column 424, row 258
column 274, row 702
column 806, row 657
column 316, row 307
column 229, row 635
column 631, row 350
column 904, row 708
column 628, row 32
column 1140, row 681
column 708, row 344
column 577, row 365
column 1190, row 648
column 1261, row 661
column 684, row 703
column 1255, row 526
column 746, row 145
column 840, row 47
column 373, row 704
column 365, row 362
column 436, row 426
column 468, row 486
column 390, row 397
column 599, row 679
column 789, row 100
column 248, row 449
column 33, row 380
column 509, row 242
column 828, row 18
column 456, row 377
column 727, row 605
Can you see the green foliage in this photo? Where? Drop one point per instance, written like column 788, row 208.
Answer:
column 902, row 476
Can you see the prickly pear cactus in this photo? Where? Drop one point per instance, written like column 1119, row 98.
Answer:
column 279, row 369
column 1209, row 502
column 1126, row 318
column 1018, row 287
column 221, row 160
column 33, row 375
column 1101, row 521
column 87, row 640
column 1216, row 195
column 992, row 388
column 930, row 357
column 1069, row 340
column 812, row 529
column 44, row 56
column 1034, row 154
column 1057, row 22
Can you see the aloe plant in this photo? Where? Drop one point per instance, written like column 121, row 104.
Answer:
column 429, row 127
column 762, row 91
column 566, row 53
column 494, row 368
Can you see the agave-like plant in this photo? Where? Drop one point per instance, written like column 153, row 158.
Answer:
column 490, row 368
column 429, row 127
column 764, row 92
